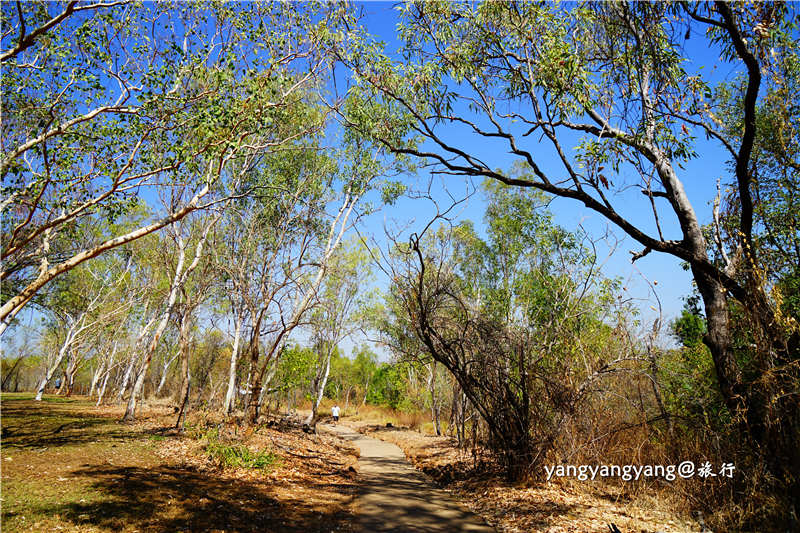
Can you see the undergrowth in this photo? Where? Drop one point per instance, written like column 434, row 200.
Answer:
column 238, row 454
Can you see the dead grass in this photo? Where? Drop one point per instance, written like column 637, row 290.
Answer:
column 68, row 466
column 555, row 507
column 383, row 415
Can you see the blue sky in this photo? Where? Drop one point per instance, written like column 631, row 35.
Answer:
column 699, row 178
column 660, row 272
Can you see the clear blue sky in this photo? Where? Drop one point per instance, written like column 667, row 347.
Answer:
column 699, row 178
column 673, row 283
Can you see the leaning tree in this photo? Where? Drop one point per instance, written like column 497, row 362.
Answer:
column 607, row 104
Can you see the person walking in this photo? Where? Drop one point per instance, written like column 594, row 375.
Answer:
column 335, row 413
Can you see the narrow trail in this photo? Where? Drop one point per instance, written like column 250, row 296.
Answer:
column 394, row 496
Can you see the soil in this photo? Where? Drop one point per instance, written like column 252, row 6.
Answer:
column 68, row 466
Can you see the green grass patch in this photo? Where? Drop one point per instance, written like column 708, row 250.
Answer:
column 238, row 454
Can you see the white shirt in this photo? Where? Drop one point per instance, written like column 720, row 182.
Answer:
column 335, row 411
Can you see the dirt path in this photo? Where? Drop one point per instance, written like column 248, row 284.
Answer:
column 394, row 496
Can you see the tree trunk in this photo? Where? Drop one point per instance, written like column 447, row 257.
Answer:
column 10, row 372
column 95, row 378
column 133, row 358
column 320, row 382
column 265, row 386
column 164, row 373
column 61, row 353
column 434, row 399
column 101, row 392
column 72, row 370
column 63, row 384
column 183, row 351
column 718, row 340
column 349, row 391
column 253, row 387
column 130, row 410
column 230, row 395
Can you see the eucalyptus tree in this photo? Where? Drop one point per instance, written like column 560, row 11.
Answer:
column 263, row 244
column 605, row 104
column 280, row 239
column 335, row 315
column 195, row 291
column 519, row 319
column 292, row 261
column 183, row 269
column 83, row 305
column 105, row 103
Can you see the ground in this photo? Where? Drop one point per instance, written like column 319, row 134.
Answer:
column 396, row 498
column 554, row 507
column 67, row 466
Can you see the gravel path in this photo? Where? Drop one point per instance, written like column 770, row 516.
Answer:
column 394, row 496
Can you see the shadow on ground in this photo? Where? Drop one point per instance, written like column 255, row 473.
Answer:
column 68, row 468
column 177, row 499
column 28, row 424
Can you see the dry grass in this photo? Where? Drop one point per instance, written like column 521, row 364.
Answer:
column 384, row 415
column 555, row 507
column 68, row 466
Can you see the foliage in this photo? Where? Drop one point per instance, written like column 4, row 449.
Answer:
column 98, row 111
column 518, row 319
column 238, row 455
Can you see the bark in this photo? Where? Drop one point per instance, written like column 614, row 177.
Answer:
column 132, row 360
column 319, row 388
column 230, row 395
column 126, row 378
column 253, row 385
column 72, row 369
column 164, row 373
column 106, row 375
column 62, row 352
column 183, row 352
column 718, row 340
column 95, row 378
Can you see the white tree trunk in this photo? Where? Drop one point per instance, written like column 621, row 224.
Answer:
column 60, row 357
column 230, row 396
column 129, row 370
column 95, row 377
column 164, row 372
column 109, row 367
column 321, row 382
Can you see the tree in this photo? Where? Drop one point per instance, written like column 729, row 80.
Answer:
column 610, row 91
column 105, row 101
column 520, row 320
column 183, row 269
column 365, row 364
column 334, row 316
column 295, row 370
column 84, row 302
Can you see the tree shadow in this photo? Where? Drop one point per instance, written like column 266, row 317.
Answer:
column 28, row 424
column 168, row 498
